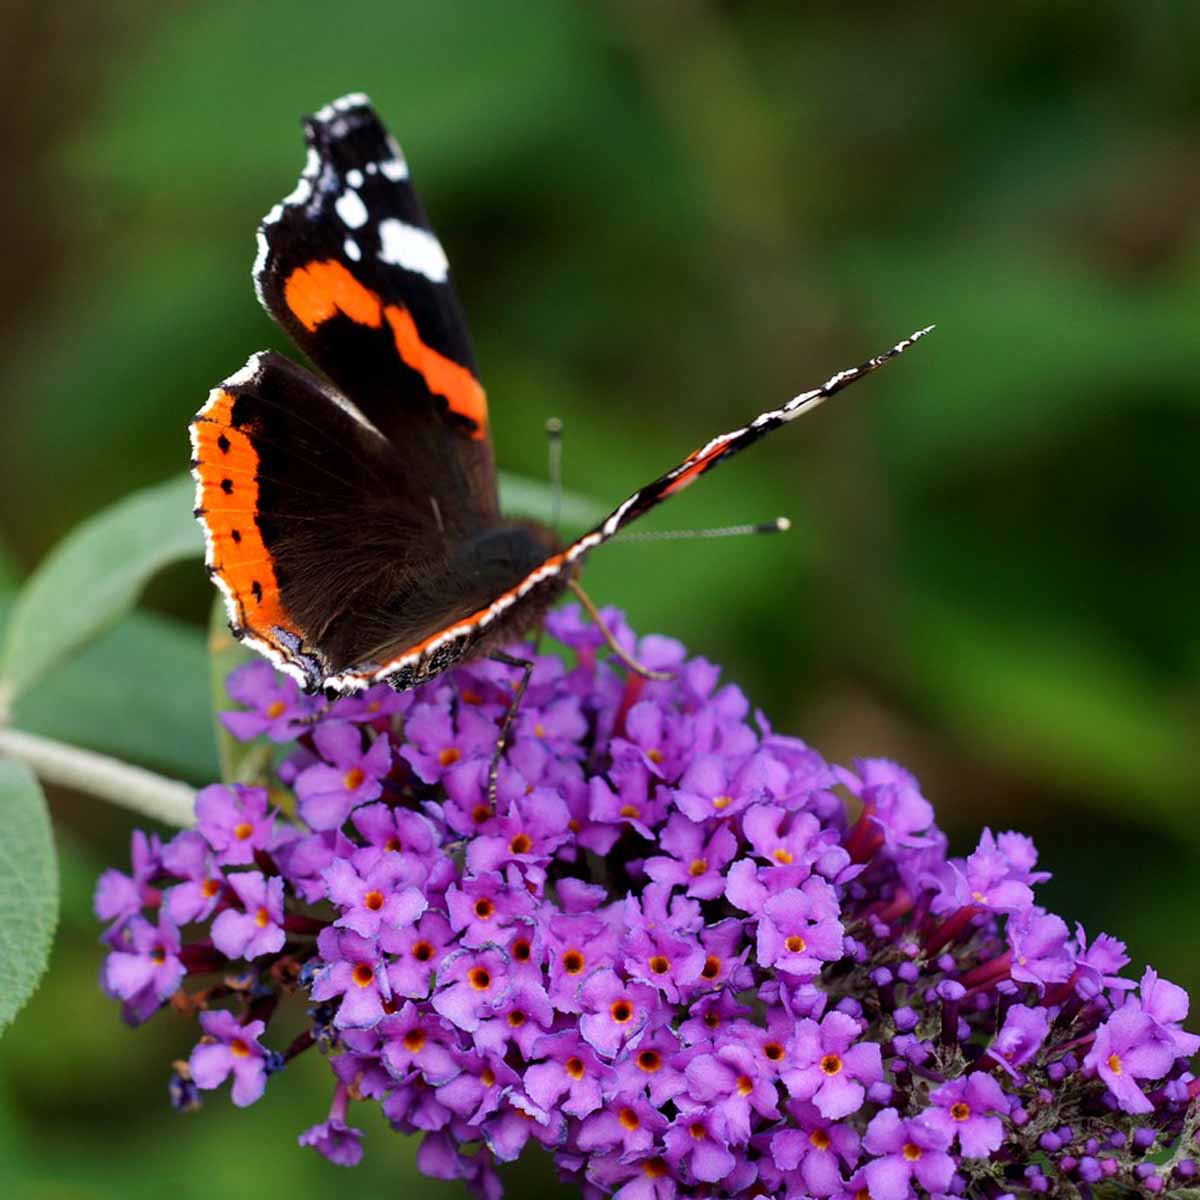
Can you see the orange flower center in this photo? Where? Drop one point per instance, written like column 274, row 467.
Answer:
column 796, row 944
column 911, row 1152
column 353, row 778
column 539, row 730
column 262, row 918
column 1114, row 1064
column 773, row 1050
column 629, row 1119
column 393, row 843
column 622, row 1012
column 574, row 1067
column 209, row 888
column 449, row 756
column 630, row 812
column 481, row 813
column 487, row 1077
column 655, row 756
column 649, row 1061
column 711, row 968
column 484, row 908
column 363, row 975
column 373, row 900
column 782, row 856
column 960, row 1111
column 422, row 951
column 831, row 1064
column 516, row 1018
column 819, row 1139
column 521, row 844
column 276, row 709
column 698, row 867
column 480, row 978
column 158, row 956
column 659, row 964
column 414, row 1039
column 242, row 830
column 654, row 1168
column 521, row 950
column 572, row 962
column 745, row 1085
column 238, row 1048
column 697, row 1130
column 722, row 802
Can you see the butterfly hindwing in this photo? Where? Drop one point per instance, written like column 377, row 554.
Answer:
column 349, row 266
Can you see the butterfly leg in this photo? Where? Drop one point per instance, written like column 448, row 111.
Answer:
column 632, row 663
column 526, row 666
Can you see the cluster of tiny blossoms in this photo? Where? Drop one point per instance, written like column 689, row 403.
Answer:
column 680, row 951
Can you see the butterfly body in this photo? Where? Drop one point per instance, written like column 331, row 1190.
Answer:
column 351, row 518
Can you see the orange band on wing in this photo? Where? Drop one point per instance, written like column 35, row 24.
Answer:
column 318, row 292
column 697, row 463
column 227, row 467
column 323, row 289
column 442, row 375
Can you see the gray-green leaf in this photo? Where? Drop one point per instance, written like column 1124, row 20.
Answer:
column 28, row 888
column 94, row 576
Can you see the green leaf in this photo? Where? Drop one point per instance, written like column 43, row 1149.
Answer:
column 94, row 576
column 522, row 497
column 28, row 888
column 139, row 693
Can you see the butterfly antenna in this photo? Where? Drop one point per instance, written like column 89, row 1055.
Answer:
column 632, row 663
column 779, row 525
column 554, row 447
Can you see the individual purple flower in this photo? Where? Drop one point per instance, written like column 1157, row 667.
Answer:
column 276, row 705
column 1167, row 1005
column 1020, row 1038
column 695, row 1145
column 733, row 1083
column 628, row 1125
column 1038, row 944
column 713, row 786
column 148, row 970
column 633, row 798
column 479, row 1088
column 907, row 1149
column 830, row 1066
column 230, row 1048
column 483, row 906
column 400, row 831
column 119, row 896
column 258, row 928
column 333, row 1139
column 415, row 954
column 698, row 857
column 569, row 1076
column 988, row 879
column 235, row 820
column 811, row 1154
column 353, row 969
column 381, row 897
column 350, row 775
column 1098, row 966
column 800, row 931
column 614, row 1011
column 190, row 859
column 975, row 1103
column 412, row 1039
column 436, row 741
column 1129, row 1046
column 655, row 952
column 472, row 983
column 528, row 833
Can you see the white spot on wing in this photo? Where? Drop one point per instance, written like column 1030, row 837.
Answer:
column 350, row 247
column 394, row 169
column 350, row 207
column 354, row 177
column 412, row 248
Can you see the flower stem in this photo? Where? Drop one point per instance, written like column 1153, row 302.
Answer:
column 131, row 787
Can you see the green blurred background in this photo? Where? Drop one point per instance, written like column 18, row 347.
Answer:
column 663, row 217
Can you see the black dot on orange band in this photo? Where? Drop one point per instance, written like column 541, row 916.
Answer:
column 223, row 444
column 256, row 588
column 236, row 535
column 227, row 486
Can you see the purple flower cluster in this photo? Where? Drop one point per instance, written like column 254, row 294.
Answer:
column 680, row 951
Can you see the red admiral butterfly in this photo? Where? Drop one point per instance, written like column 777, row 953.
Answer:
column 353, row 522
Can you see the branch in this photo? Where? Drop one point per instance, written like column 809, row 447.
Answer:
column 130, row 787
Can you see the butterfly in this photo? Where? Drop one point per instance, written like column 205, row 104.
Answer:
column 351, row 519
